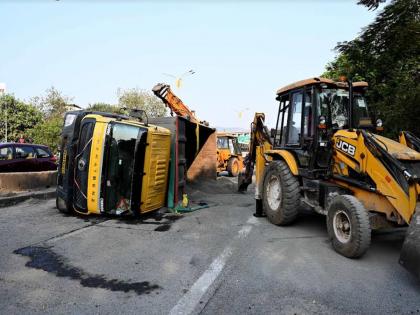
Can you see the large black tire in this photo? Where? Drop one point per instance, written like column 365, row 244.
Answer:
column 62, row 206
column 281, row 208
column 348, row 226
column 233, row 167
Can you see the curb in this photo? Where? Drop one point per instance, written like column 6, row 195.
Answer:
column 13, row 200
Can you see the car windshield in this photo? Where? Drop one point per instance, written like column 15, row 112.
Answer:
column 338, row 100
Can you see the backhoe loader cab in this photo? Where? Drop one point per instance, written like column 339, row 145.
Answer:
column 324, row 155
column 111, row 164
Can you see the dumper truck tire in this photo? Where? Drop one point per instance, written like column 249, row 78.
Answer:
column 62, row 205
column 281, row 194
column 233, row 167
column 348, row 226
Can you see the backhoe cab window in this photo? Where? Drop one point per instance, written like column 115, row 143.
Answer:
column 338, row 100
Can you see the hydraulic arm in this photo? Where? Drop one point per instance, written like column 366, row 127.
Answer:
column 174, row 103
column 410, row 140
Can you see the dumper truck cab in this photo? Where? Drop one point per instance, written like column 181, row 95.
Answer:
column 112, row 164
column 229, row 155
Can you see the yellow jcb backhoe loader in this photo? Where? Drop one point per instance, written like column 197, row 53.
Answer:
column 323, row 154
column 229, row 155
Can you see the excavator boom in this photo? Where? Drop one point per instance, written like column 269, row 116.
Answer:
column 259, row 137
column 164, row 92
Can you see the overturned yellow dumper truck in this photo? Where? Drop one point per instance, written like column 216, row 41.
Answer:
column 124, row 165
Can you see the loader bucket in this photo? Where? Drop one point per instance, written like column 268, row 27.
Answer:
column 410, row 253
column 242, row 186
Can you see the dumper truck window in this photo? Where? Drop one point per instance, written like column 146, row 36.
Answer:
column 120, row 156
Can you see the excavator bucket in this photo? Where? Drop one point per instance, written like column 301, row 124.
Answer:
column 410, row 253
column 242, row 182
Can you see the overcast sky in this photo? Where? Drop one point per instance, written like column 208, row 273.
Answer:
column 242, row 51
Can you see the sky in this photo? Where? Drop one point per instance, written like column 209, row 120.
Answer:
column 241, row 51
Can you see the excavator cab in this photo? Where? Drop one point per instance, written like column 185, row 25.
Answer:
column 308, row 116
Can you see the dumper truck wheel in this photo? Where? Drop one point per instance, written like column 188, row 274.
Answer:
column 62, row 205
column 233, row 167
column 281, row 195
column 348, row 226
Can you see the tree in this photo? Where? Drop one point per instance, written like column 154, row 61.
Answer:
column 20, row 117
column 53, row 103
column 141, row 99
column 48, row 132
column 386, row 55
column 371, row 4
column 105, row 107
column 53, row 106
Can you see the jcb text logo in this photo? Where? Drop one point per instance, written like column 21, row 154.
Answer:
column 345, row 147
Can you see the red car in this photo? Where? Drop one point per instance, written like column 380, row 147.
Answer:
column 26, row 157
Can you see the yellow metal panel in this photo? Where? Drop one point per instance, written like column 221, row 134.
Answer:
column 288, row 158
column 95, row 166
column 156, row 164
column 364, row 162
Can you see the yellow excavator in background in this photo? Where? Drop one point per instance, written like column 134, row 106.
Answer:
column 324, row 155
column 229, row 155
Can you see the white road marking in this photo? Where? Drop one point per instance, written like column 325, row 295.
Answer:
column 190, row 300
column 244, row 231
column 253, row 220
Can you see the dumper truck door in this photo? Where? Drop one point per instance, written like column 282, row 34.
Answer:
column 410, row 253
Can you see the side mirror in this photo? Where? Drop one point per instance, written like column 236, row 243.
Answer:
column 139, row 114
column 379, row 125
column 322, row 122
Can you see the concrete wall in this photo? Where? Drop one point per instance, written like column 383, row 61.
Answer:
column 27, row 180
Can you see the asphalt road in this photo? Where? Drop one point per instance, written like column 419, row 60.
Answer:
column 219, row 260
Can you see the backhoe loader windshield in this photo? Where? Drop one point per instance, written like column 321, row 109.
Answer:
column 338, row 101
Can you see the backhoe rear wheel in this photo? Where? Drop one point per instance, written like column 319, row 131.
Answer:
column 348, row 226
column 281, row 195
column 233, row 167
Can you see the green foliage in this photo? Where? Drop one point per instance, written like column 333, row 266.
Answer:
column 20, row 117
column 53, row 103
column 105, row 107
column 371, row 4
column 141, row 99
column 48, row 132
column 386, row 55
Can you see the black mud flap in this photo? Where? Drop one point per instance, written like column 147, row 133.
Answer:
column 410, row 253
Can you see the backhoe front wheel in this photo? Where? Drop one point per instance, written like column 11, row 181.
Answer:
column 233, row 167
column 348, row 226
column 281, row 194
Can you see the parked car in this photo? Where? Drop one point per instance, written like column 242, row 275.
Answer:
column 26, row 157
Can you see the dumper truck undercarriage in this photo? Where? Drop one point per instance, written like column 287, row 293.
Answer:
column 323, row 154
